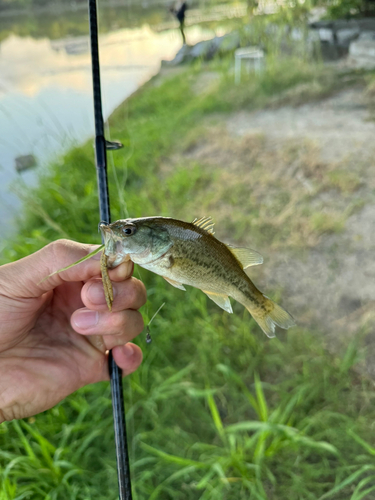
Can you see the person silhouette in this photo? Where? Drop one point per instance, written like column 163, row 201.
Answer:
column 179, row 9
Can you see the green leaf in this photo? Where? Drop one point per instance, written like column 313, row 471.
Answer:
column 215, row 413
column 362, row 442
column 173, row 458
column 262, row 404
column 349, row 480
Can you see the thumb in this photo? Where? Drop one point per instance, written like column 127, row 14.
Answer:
column 23, row 277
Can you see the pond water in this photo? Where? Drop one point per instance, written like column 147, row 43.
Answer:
column 45, row 85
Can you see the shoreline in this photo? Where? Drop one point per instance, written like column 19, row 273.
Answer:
column 58, row 8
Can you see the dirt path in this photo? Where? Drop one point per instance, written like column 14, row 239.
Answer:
column 308, row 175
column 333, row 283
column 339, row 125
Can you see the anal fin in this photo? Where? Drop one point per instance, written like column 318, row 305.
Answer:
column 175, row 283
column 221, row 300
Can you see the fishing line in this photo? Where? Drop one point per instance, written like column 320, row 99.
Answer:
column 130, row 146
column 125, row 158
column 120, row 191
column 148, row 332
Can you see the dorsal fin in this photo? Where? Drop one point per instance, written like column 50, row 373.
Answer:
column 246, row 256
column 205, row 223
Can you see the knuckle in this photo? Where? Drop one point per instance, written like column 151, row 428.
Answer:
column 60, row 249
column 131, row 295
column 141, row 291
column 128, row 323
column 118, row 322
column 136, row 293
column 63, row 252
column 56, row 253
column 139, row 323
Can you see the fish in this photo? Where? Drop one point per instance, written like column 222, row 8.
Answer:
column 187, row 253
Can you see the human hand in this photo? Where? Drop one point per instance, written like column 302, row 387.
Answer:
column 54, row 335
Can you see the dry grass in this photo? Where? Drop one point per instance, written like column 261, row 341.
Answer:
column 260, row 188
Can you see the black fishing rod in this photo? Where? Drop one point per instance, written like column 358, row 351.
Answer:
column 101, row 146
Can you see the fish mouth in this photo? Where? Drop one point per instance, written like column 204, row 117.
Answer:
column 112, row 243
column 103, row 227
column 107, row 232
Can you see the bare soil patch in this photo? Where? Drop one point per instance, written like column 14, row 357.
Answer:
column 298, row 185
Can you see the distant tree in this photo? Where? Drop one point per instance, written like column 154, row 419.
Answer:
column 343, row 9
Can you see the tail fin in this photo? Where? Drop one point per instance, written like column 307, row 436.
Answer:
column 270, row 316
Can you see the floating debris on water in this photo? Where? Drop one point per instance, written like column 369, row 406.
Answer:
column 25, row 162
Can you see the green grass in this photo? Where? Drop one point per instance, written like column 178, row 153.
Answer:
column 217, row 410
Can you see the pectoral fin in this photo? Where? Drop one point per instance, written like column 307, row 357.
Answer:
column 221, row 300
column 175, row 283
column 246, row 256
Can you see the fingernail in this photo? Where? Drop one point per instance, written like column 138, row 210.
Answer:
column 124, row 270
column 128, row 350
column 86, row 319
column 95, row 293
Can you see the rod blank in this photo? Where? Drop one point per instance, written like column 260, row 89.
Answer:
column 123, row 469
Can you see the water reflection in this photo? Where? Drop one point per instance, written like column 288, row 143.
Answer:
column 46, row 97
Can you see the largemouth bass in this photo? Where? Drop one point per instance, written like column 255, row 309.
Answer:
column 188, row 254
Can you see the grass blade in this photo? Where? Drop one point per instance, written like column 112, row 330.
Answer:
column 215, row 412
column 74, row 263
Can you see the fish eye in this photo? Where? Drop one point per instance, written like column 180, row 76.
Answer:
column 128, row 231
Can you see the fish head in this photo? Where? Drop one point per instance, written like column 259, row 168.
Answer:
column 143, row 240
